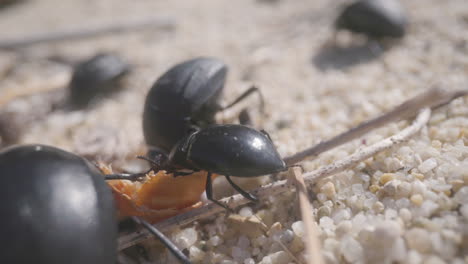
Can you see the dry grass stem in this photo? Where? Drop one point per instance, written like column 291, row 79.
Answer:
column 152, row 23
column 431, row 98
column 313, row 246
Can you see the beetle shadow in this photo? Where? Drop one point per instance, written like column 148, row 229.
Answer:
column 341, row 58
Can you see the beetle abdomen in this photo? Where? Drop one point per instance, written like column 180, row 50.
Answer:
column 234, row 150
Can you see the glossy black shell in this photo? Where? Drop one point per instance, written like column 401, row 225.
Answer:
column 375, row 18
column 233, row 150
column 56, row 208
column 96, row 76
column 184, row 96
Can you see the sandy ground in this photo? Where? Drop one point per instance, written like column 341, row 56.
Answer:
column 312, row 92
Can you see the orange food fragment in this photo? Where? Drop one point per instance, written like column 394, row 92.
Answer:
column 159, row 197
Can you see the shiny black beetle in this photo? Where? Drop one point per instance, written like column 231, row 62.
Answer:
column 374, row 18
column 95, row 77
column 229, row 150
column 57, row 208
column 184, row 99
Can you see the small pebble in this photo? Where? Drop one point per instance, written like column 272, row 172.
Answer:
column 418, row 239
column 378, row 207
column 351, row 250
column 416, row 199
column 427, row 165
column 279, row 257
column 298, row 228
column 328, row 189
column 246, row 212
column 386, row 177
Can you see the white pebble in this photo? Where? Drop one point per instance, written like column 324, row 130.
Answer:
column 428, row 208
column 358, row 189
column 390, row 188
column 405, row 215
column 249, row 261
column 419, row 187
column 298, row 228
column 399, row 250
column 328, row 189
column 427, row 165
column 461, row 196
column 196, row 254
column 341, row 214
column 186, row 237
column 351, row 250
column 378, row 207
column 464, row 211
column 434, row 260
column 246, row 211
column 343, row 228
column 404, row 189
column 414, row 257
column 390, row 214
column 215, row 241
column 279, row 257
column 326, row 223
column 418, row 239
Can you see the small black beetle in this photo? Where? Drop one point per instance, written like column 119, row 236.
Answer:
column 94, row 77
column 375, row 18
column 184, row 99
column 229, row 150
column 57, row 208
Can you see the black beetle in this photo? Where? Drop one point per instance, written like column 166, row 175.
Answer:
column 184, row 99
column 95, row 77
column 375, row 18
column 229, row 150
column 57, row 208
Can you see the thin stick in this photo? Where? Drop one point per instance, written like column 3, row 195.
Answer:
column 431, row 98
column 279, row 187
column 313, row 247
column 86, row 32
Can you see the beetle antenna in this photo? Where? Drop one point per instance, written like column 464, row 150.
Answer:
column 244, row 95
column 156, row 163
column 165, row 240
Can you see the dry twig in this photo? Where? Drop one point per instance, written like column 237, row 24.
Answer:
column 313, row 247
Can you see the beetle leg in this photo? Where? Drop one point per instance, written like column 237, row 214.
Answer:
column 168, row 243
column 247, row 195
column 181, row 173
column 126, row 176
column 244, row 95
column 209, row 193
